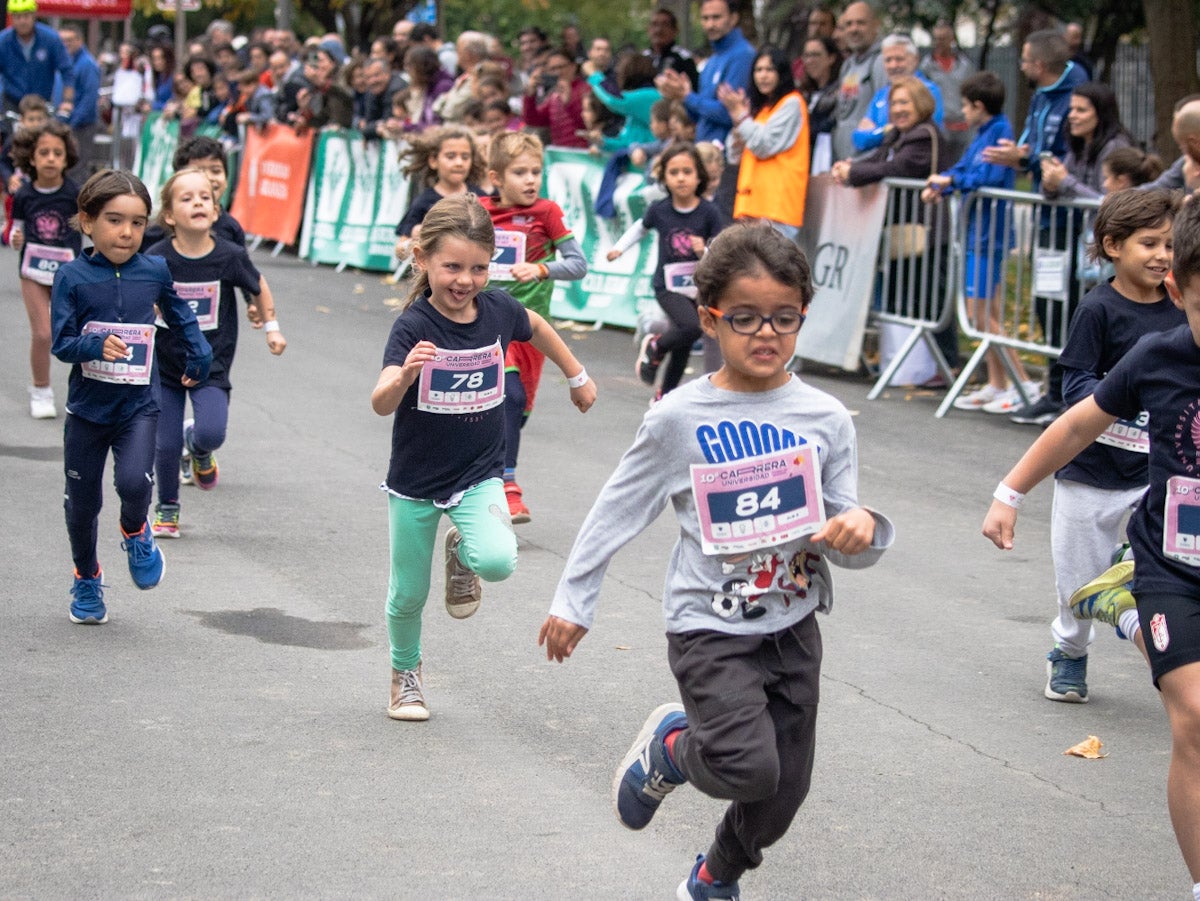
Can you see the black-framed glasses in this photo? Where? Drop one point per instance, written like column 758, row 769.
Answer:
column 785, row 322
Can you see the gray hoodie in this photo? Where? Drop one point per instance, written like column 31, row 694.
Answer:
column 759, row 592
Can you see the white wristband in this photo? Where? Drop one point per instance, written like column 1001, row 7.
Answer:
column 578, row 381
column 1009, row 496
column 270, row 326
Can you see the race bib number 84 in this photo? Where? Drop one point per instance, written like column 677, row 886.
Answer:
column 758, row 502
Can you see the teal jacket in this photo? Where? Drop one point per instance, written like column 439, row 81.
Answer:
column 634, row 106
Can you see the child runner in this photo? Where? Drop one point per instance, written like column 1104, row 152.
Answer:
column 44, row 240
column 103, row 312
column 205, row 270
column 685, row 223
column 446, row 163
column 208, row 155
column 1159, row 377
column 751, row 565
column 987, row 237
column 442, row 379
column 529, row 233
column 33, row 114
column 1094, row 493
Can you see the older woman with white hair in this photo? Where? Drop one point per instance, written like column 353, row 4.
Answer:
column 900, row 58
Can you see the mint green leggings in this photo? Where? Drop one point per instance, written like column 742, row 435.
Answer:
column 488, row 548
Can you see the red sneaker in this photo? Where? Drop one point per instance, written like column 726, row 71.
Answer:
column 517, row 510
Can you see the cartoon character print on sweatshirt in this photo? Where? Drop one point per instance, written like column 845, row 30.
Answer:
column 759, row 574
column 681, row 243
column 752, row 576
column 49, row 226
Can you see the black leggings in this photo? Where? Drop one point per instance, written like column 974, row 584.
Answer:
column 675, row 344
column 85, row 451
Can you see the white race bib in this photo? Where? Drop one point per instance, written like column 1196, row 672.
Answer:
column 758, row 502
column 205, row 300
column 462, row 381
column 40, row 262
column 136, row 367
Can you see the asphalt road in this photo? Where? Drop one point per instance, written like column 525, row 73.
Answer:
column 225, row 735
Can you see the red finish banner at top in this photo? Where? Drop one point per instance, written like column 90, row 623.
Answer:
column 85, row 9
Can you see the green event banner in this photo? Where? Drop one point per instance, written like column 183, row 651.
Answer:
column 611, row 293
column 357, row 194
column 154, row 161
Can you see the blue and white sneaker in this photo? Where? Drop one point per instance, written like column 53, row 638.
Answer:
column 1066, row 677
column 87, row 604
column 646, row 774
column 146, row 563
column 695, row 889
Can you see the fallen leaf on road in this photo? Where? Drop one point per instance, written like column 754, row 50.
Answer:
column 1089, row 749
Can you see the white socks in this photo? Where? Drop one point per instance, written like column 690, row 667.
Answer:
column 1129, row 624
column 1196, row 891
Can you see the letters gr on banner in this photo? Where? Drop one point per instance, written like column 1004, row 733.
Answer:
column 842, row 228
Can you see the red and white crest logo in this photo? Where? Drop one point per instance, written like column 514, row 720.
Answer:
column 1158, row 631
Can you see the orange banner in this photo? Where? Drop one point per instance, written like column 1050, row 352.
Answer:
column 270, row 194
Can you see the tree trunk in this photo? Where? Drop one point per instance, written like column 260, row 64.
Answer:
column 1172, row 64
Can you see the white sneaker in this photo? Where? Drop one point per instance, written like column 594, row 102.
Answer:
column 978, row 398
column 41, row 403
column 1010, row 400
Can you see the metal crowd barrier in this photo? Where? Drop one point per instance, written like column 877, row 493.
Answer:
column 1044, row 275
column 918, row 268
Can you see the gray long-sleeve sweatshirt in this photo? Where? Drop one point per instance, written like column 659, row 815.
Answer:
column 760, row 592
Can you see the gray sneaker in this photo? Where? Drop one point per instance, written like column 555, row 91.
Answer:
column 408, row 696
column 1066, row 677
column 463, row 588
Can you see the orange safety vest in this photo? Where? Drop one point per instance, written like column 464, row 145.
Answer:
column 775, row 188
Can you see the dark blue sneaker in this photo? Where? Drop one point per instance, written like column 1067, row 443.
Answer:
column 646, row 774
column 1066, row 677
column 87, row 604
column 146, row 563
column 695, row 889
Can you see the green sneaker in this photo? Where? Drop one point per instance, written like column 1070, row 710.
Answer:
column 1107, row 596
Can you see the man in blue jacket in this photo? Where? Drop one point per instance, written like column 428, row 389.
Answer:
column 1046, row 62
column 86, row 111
column 732, row 56
column 30, row 56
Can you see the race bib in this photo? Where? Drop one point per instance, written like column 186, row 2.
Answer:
column 510, row 250
column 678, row 277
column 1131, row 435
column 758, row 502
column 462, row 381
column 205, row 300
column 1181, row 520
column 41, row 261
column 135, row 368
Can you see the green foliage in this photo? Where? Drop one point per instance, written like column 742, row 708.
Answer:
column 504, row 18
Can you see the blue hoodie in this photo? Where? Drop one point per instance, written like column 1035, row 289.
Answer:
column 1044, row 123
column 972, row 172
column 729, row 64
column 91, row 289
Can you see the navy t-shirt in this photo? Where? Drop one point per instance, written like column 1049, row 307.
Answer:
column 422, row 204
column 47, row 215
column 675, row 231
column 1162, row 376
column 435, row 455
column 197, row 279
column 1106, row 327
